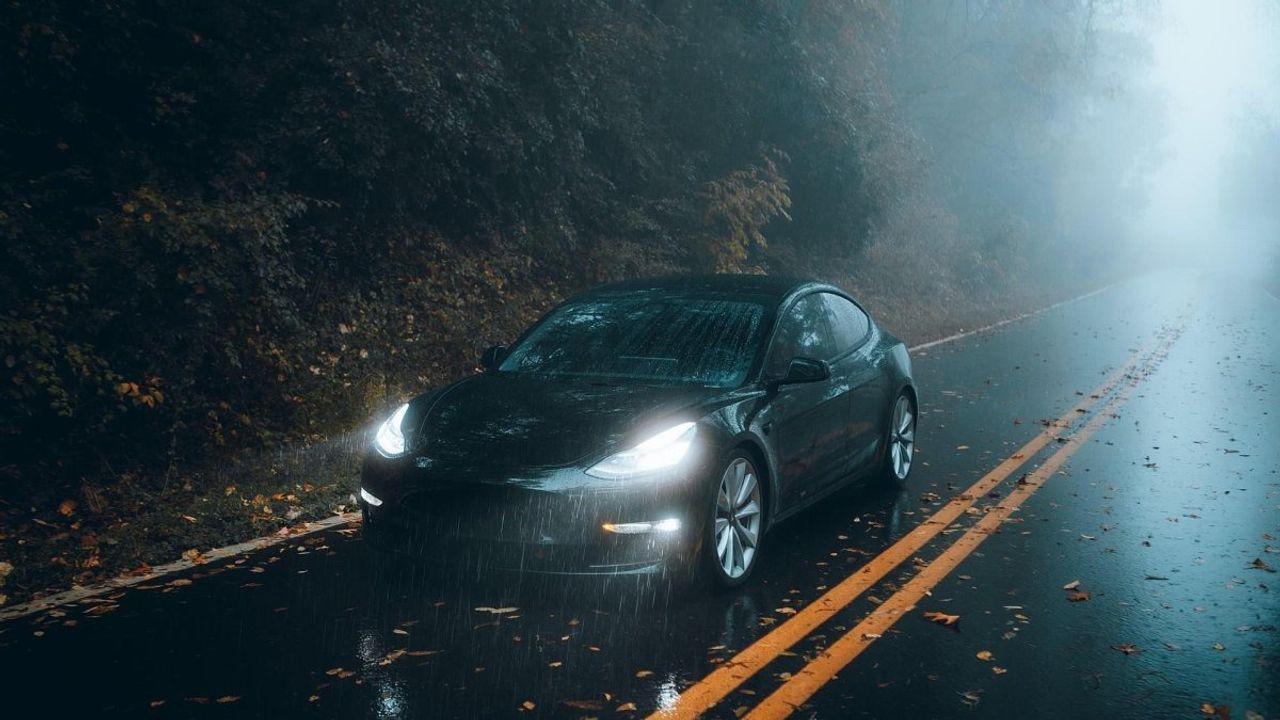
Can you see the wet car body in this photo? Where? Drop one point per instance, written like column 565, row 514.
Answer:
column 495, row 472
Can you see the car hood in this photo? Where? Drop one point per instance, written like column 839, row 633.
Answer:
column 498, row 424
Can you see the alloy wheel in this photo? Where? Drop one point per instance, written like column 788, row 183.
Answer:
column 738, row 518
column 902, row 437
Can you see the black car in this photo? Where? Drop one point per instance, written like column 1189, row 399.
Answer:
column 647, row 426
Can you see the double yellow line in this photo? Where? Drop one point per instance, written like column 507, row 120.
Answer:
column 703, row 695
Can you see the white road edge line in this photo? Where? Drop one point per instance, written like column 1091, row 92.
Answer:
column 77, row 594
column 123, row 581
column 1002, row 323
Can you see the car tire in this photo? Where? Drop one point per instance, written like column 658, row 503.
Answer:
column 900, row 439
column 735, row 523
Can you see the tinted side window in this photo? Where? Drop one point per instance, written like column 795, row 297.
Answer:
column 805, row 331
column 848, row 323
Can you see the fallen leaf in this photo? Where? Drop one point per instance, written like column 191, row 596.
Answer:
column 942, row 618
column 998, row 670
column 984, row 655
column 583, row 704
column 67, row 507
column 1078, row 595
column 528, row 705
column 555, row 664
column 156, row 703
column 1260, row 564
column 785, row 611
column 193, row 556
column 1219, row 646
column 497, row 611
column 228, row 699
column 626, row 707
column 644, row 673
column 1126, row 648
column 1071, row 585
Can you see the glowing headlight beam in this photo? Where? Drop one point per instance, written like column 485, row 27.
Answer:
column 390, row 437
column 664, row 450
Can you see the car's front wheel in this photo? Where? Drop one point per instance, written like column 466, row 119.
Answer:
column 731, row 545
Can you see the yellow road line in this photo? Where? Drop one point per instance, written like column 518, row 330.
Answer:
column 701, row 696
column 800, row 687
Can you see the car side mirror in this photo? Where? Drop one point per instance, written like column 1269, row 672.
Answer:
column 805, row 370
column 493, row 357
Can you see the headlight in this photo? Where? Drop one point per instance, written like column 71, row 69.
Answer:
column 664, row 450
column 390, row 437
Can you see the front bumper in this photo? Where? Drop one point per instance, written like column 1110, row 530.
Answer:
column 552, row 521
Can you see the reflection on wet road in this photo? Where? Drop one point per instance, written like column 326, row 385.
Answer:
column 1114, row 562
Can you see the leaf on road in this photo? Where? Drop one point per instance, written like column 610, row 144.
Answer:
column 1219, row 646
column 422, row 653
column 970, row 697
column 497, row 611
column 1071, row 585
column 785, row 611
column 644, row 673
column 228, row 699
column 998, row 670
column 626, row 707
column 984, row 655
column 1260, row 564
column 194, row 557
column 391, row 657
column 528, row 705
column 1126, row 648
column 583, row 704
column 67, row 507
column 1078, row 595
column 1218, row 711
column 942, row 618
column 555, row 663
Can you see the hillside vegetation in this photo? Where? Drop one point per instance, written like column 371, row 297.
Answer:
column 231, row 229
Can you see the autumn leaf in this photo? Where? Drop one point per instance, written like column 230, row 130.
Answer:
column 1071, row 585
column 785, row 611
column 497, row 611
column 998, row 670
column 644, row 673
column 1219, row 646
column 1126, row 648
column 194, row 557
column 1078, row 595
column 1260, row 564
column 528, row 705
column 1223, row 712
column 984, row 655
column 583, row 704
column 228, row 699
column 626, row 707
column 67, row 507
column 942, row 618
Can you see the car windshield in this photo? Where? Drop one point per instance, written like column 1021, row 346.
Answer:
column 708, row 341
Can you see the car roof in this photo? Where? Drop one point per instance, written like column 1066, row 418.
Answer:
column 774, row 287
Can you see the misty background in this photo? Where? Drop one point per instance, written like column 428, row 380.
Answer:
column 238, row 230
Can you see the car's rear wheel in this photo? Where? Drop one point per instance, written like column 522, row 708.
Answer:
column 735, row 529
column 901, row 438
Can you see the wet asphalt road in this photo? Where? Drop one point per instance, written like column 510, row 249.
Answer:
column 1160, row 515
